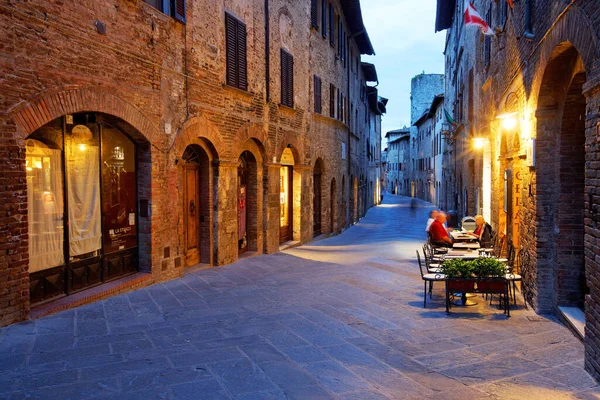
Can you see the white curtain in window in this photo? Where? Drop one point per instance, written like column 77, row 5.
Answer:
column 83, row 181
column 45, row 207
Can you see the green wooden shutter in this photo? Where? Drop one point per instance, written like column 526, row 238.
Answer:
column 231, row 50
column 314, row 14
column 242, row 68
column 179, row 10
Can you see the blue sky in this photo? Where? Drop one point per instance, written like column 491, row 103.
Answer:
column 402, row 33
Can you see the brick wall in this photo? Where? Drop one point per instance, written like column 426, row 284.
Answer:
column 163, row 83
column 550, row 81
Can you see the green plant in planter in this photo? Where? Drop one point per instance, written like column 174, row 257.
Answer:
column 457, row 268
column 488, row 267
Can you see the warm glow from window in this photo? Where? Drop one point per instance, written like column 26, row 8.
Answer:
column 82, row 147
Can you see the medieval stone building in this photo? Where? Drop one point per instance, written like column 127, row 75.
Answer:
column 142, row 137
column 529, row 98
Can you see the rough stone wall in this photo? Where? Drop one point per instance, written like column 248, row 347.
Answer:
column 532, row 77
column 164, row 83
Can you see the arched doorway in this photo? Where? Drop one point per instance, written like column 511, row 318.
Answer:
column 561, row 181
column 82, row 192
column 317, row 197
column 286, row 196
column 196, row 193
column 247, row 202
column 332, row 205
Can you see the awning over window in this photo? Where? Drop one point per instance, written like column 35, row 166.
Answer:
column 445, row 14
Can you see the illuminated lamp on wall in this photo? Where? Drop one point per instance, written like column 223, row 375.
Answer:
column 509, row 121
column 82, row 135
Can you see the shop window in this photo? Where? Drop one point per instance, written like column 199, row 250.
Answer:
column 82, row 205
column 235, row 44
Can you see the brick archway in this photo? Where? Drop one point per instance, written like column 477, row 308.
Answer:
column 560, row 183
column 50, row 105
column 199, row 130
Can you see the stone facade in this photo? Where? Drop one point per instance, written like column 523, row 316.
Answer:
column 398, row 161
column 531, row 94
column 163, row 84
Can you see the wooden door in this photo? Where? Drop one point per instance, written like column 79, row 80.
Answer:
column 317, row 205
column 285, row 204
column 191, row 212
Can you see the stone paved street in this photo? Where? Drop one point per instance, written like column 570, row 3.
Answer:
column 341, row 318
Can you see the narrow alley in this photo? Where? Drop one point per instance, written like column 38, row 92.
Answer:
column 341, row 318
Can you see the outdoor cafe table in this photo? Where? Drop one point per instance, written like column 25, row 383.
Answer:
column 458, row 236
column 466, row 246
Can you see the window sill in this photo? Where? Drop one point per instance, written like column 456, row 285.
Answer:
column 286, row 107
column 237, row 90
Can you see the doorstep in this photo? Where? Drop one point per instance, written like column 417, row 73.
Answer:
column 100, row 292
column 289, row 244
column 575, row 317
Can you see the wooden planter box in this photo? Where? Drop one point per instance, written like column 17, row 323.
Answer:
column 491, row 285
column 461, row 285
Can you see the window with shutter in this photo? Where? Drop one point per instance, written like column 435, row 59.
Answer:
column 287, row 79
column 235, row 53
column 324, row 18
column 314, row 14
column 331, row 100
column 331, row 25
column 487, row 40
column 339, row 29
column 179, row 10
column 173, row 8
column 317, row 93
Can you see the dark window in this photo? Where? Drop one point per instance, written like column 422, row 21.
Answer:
column 287, row 79
column 471, row 93
column 502, row 13
column 331, row 25
column 314, row 14
column 324, row 18
column 487, row 44
column 529, row 9
column 339, row 29
column 235, row 49
column 331, row 100
column 317, row 93
column 173, row 8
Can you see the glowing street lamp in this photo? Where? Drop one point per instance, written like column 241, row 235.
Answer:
column 479, row 142
column 508, row 120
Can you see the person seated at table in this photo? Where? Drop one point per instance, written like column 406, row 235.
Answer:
column 432, row 216
column 439, row 234
column 483, row 231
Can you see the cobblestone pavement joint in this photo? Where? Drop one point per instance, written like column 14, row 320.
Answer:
column 341, row 318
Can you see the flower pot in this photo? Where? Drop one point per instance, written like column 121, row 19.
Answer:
column 461, row 285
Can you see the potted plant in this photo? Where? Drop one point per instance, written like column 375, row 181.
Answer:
column 459, row 273
column 489, row 272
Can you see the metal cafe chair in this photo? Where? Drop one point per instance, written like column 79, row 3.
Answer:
column 428, row 278
column 513, row 274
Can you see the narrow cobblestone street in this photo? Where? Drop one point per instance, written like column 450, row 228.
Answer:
column 341, row 318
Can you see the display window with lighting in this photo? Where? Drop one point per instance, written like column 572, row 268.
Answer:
column 82, row 197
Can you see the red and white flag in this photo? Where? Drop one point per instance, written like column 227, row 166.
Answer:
column 472, row 18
